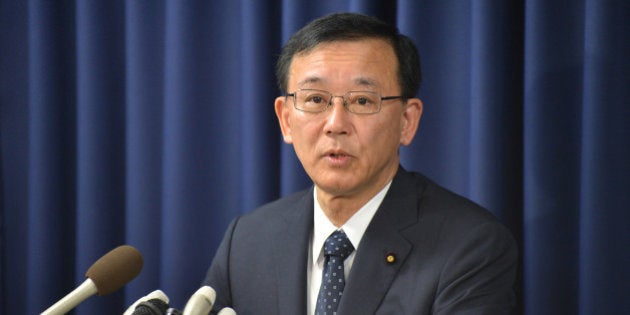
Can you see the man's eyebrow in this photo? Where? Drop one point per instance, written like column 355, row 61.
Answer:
column 309, row 80
column 363, row 81
column 360, row 81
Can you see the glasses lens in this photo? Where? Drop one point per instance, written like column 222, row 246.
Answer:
column 363, row 102
column 312, row 100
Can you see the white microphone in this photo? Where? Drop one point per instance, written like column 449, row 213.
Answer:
column 200, row 303
column 227, row 311
column 106, row 275
column 157, row 294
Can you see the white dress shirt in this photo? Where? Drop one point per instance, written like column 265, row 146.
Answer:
column 322, row 228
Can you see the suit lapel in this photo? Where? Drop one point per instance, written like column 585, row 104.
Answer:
column 289, row 246
column 371, row 274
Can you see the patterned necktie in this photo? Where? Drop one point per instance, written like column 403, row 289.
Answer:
column 336, row 249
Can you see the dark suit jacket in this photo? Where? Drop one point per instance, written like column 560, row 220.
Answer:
column 451, row 257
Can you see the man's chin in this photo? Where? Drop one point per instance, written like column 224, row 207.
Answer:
column 337, row 187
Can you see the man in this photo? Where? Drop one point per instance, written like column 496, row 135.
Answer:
column 410, row 246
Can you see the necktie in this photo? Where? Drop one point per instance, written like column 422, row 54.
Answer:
column 336, row 249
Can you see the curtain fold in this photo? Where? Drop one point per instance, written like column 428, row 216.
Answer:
column 256, row 92
column 554, row 61
column 51, row 131
column 605, row 163
column 144, row 145
column 151, row 123
column 100, row 135
column 202, row 127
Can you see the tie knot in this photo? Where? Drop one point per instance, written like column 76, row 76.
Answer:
column 338, row 244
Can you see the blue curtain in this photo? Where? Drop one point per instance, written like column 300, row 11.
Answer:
column 151, row 123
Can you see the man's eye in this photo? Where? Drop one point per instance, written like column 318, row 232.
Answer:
column 362, row 100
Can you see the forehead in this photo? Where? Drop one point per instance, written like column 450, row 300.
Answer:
column 365, row 62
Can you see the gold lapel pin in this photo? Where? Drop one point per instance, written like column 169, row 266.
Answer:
column 390, row 258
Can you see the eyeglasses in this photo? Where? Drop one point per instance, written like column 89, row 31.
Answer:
column 357, row 102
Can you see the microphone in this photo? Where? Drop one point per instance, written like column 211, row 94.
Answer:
column 200, row 302
column 151, row 307
column 227, row 311
column 157, row 294
column 106, row 275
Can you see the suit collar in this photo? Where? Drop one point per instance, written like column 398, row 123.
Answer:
column 371, row 274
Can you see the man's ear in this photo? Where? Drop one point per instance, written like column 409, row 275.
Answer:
column 410, row 120
column 282, row 112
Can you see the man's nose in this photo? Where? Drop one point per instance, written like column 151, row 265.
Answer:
column 337, row 120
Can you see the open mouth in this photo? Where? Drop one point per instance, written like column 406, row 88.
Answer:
column 337, row 155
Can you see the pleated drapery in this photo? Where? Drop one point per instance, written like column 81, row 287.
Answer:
column 151, row 123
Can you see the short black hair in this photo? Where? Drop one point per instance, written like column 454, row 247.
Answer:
column 349, row 27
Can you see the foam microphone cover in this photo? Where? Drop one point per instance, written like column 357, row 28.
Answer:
column 115, row 269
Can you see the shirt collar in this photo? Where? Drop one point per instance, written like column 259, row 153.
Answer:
column 354, row 228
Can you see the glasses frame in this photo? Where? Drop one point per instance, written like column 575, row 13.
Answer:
column 343, row 97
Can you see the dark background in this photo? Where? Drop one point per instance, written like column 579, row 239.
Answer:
column 151, row 123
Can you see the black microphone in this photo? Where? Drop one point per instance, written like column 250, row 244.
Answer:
column 151, row 307
column 108, row 274
column 157, row 294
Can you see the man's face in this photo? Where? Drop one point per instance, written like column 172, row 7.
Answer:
column 346, row 154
